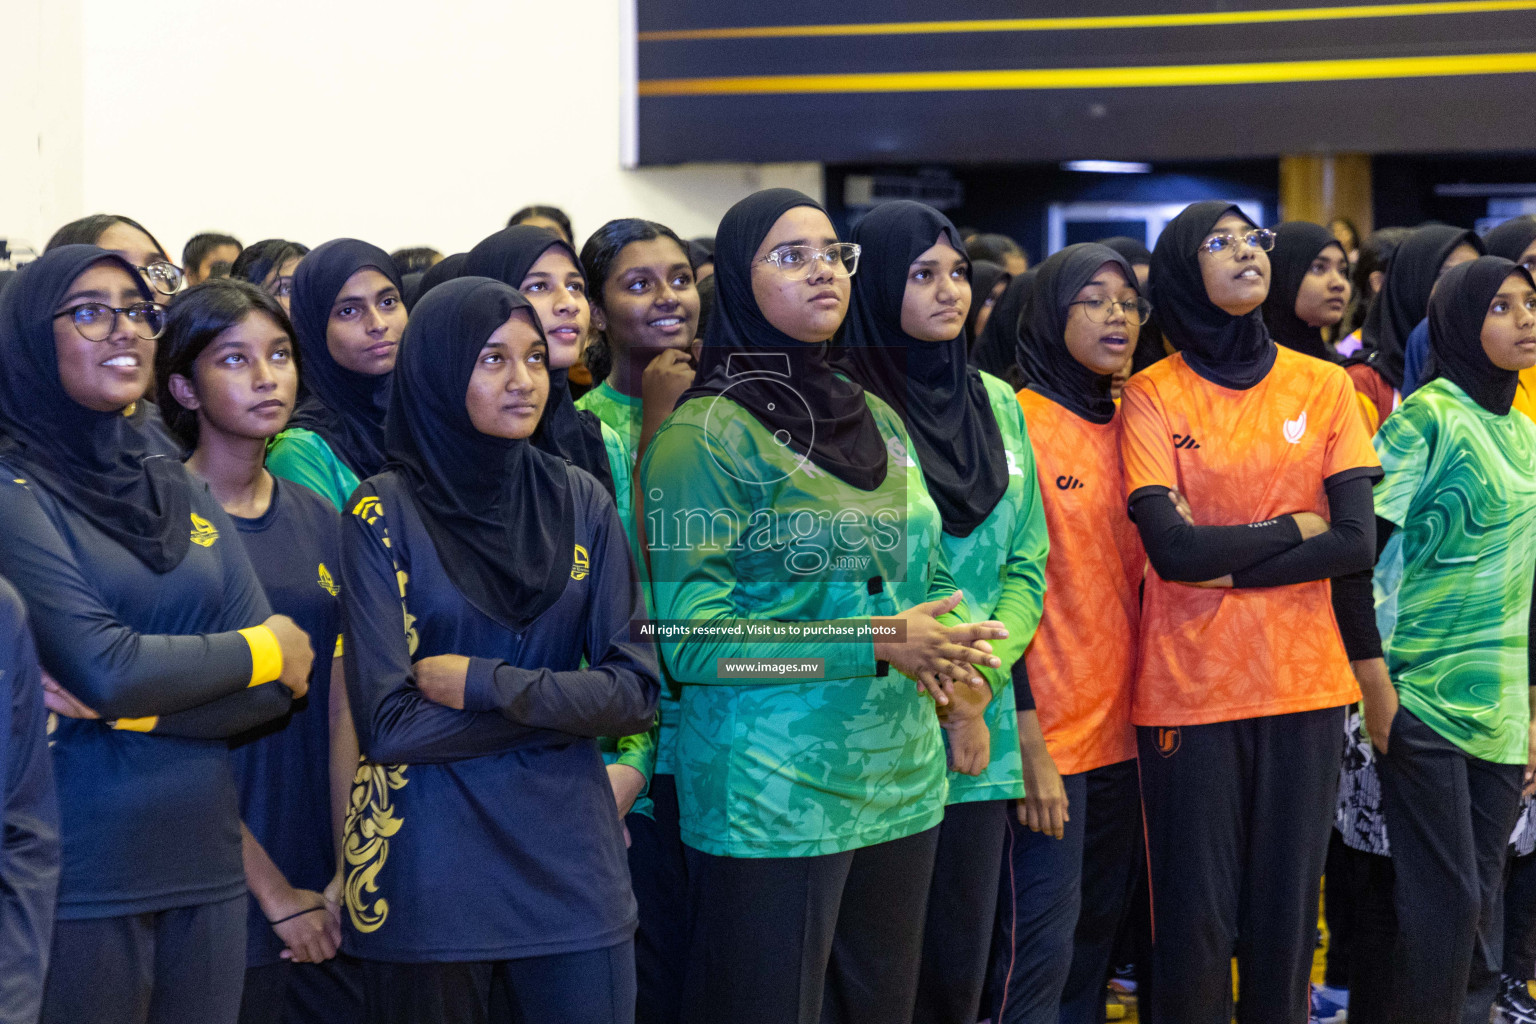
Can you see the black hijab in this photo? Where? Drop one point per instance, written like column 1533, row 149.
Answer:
column 563, row 430
column 1512, row 238
column 834, row 427
column 1132, row 249
column 1297, row 244
column 1232, row 351
column 939, row 396
column 1404, row 296
column 104, row 465
column 445, row 269
column 997, row 350
column 1053, row 370
column 984, row 277
column 344, row 407
column 1457, row 311
column 499, row 512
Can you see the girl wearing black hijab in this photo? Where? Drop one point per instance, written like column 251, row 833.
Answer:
column 1230, row 447
column 988, row 282
column 1448, row 705
column 824, row 791
column 905, row 342
column 1399, row 307
column 349, row 317
column 1310, row 288
column 997, row 347
column 159, row 643
column 1072, row 844
column 482, row 848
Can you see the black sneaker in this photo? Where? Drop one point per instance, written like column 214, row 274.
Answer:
column 1515, row 1005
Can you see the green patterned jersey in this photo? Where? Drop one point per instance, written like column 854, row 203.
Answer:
column 1453, row 585
column 304, row 457
column 746, row 533
column 1001, row 569
column 621, row 414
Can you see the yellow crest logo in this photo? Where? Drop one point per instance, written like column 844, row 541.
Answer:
column 203, row 531
column 328, row 584
column 579, row 563
column 368, row 509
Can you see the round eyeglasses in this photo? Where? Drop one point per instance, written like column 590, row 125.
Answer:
column 797, row 262
column 1225, row 244
column 163, row 276
column 95, row 321
column 1102, row 310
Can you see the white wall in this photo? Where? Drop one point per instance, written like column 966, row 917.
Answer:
column 40, row 122
column 405, row 123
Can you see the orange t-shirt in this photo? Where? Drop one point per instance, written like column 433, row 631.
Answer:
column 1219, row 655
column 1082, row 660
column 1383, row 397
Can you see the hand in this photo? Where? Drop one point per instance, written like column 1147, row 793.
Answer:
column 1310, row 524
column 441, row 677
column 335, row 893
column 1181, row 506
column 1530, row 764
column 933, row 650
column 298, row 655
column 309, row 937
column 1380, row 697
column 665, row 378
column 1044, row 807
column 627, row 784
column 60, row 701
column 970, row 744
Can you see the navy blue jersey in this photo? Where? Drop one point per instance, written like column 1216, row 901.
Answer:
column 146, row 795
column 488, row 833
column 29, row 850
column 282, row 768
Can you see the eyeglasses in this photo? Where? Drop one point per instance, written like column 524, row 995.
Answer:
column 1225, row 244
column 798, row 261
column 96, row 320
column 163, row 276
column 1101, row 310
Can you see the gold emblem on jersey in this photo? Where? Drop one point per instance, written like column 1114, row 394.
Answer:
column 328, row 584
column 369, row 509
column 580, row 563
column 371, row 821
column 203, row 532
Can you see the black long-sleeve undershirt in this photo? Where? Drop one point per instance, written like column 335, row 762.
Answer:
column 1348, row 545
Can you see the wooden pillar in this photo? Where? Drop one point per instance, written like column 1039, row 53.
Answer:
column 1321, row 186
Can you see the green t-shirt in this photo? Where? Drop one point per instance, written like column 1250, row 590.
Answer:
column 1001, row 569
column 742, row 528
column 304, row 457
column 1453, row 585
column 622, row 413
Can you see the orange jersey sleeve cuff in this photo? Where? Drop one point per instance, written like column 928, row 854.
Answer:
column 266, row 654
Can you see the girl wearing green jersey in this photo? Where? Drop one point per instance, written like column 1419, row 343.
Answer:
column 905, row 343
column 1448, row 706
column 646, row 305
column 784, row 513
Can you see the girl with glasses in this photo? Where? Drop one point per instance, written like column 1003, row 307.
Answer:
column 161, row 646
column 1233, row 449
column 781, row 494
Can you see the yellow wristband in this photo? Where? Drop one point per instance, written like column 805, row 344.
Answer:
column 137, row 724
column 266, row 655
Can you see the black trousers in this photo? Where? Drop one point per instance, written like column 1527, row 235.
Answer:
column 181, row 966
column 593, row 987
column 1339, row 910
column 834, row 939
column 1372, row 931
column 1520, row 918
column 1238, row 816
column 1449, row 816
column 658, row 870
column 1062, row 902
column 290, row 993
column 962, row 906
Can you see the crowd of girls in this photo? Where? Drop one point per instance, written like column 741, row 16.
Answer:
column 797, row 628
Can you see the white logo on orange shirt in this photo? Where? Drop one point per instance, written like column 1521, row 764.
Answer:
column 1294, row 429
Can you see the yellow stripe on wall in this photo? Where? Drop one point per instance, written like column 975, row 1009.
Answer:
column 1111, row 21
column 1101, row 78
